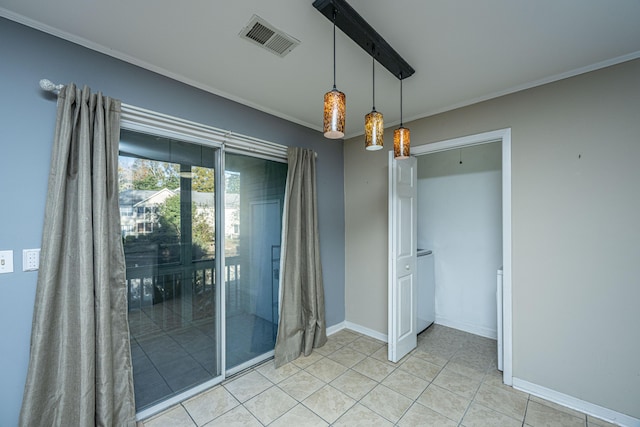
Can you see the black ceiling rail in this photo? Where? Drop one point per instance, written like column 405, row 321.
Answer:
column 354, row 26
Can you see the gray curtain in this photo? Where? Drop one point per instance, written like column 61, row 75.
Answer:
column 302, row 318
column 80, row 370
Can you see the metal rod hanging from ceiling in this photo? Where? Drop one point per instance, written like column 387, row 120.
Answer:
column 334, row 48
column 373, row 80
column 359, row 30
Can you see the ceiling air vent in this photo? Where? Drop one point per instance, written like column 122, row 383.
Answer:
column 263, row 34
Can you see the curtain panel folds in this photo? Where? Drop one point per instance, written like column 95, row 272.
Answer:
column 80, row 371
column 302, row 324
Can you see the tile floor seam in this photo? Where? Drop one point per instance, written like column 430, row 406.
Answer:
column 223, row 413
column 358, row 401
column 437, row 412
column 250, row 413
column 403, row 414
column 322, row 418
column 164, row 379
column 189, row 414
column 500, row 411
column 318, row 415
column 301, row 402
column 495, row 410
column 526, row 409
column 286, row 412
column 468, row 404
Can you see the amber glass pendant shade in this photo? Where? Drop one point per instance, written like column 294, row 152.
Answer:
column 334, row 114
column 401, row 136
column 373, row 131
column 401, row 143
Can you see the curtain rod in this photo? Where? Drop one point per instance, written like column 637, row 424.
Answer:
column 49, row 86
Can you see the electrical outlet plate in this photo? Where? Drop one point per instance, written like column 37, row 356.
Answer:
column 6, row 262
column 30, row 259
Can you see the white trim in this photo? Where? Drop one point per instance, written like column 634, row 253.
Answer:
column 148, row 66
column 463, row 141
column 241, row 144
column 507, row 285
column 391, row 265
column 366, row 331
column 467, row 327
column 199, row 85
column 575, row 403
column 336, row 328
column 221, row 292
column 504, row 136
column 154, row 123
column 529, row 85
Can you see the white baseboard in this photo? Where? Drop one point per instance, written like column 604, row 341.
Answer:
column 575, row 403
column 366, row 331
column 356, row 328
column 336, row 328
column 467, row 327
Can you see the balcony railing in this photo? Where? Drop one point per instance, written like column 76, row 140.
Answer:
column 188, row 289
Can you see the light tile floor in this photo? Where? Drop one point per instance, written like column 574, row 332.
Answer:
column 449, row 380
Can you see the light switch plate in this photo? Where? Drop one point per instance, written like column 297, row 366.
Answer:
column 30, row 259
column 6, row 262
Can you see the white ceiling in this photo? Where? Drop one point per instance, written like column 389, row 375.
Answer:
column 463, row 51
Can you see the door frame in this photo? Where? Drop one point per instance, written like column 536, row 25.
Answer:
column 504, row 137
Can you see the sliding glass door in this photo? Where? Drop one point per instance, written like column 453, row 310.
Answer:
column 254, row 197
column 169, row 194
column 167, row 206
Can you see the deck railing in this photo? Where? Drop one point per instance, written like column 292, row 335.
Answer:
column 149, row 285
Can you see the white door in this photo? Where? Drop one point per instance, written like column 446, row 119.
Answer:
column 402, row 312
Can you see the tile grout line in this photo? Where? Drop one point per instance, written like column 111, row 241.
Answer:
column 474, row 394
column 188, row 414
column 356, row 401
column 348, row 369
column 298, row 401
column 526, row 409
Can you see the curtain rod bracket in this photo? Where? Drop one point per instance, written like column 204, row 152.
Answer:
column 49, row 86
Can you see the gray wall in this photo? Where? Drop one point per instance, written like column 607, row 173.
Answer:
column 575, row 231
column 27, row 118
column 460, row 219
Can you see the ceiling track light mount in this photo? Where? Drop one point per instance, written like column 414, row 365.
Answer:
column 359, row 30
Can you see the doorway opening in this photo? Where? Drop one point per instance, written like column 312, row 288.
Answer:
column 503, row 136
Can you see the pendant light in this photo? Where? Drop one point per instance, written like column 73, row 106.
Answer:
column 334, row 101
column 373, row 122
column 401, row 136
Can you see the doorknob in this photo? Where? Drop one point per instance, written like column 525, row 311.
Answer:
column 406, row 267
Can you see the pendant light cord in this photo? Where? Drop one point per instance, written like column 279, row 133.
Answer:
column 334, row 49
column 373, row 67
column 400, row 99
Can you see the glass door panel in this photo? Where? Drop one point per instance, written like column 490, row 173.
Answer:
column 167, row 208
column 254, row 198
